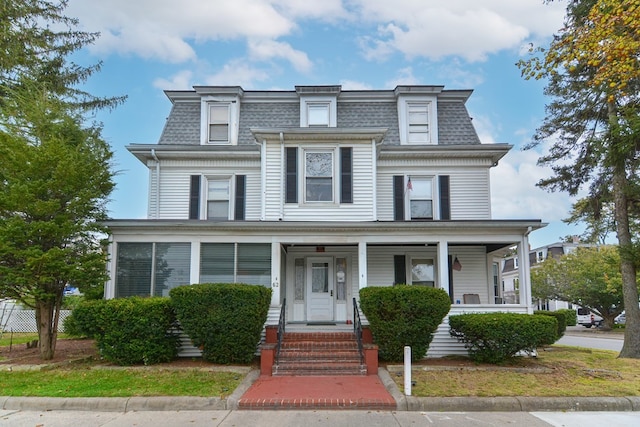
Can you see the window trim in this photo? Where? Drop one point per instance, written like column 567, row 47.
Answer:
column 313, row 101
column 410, row 260
column 233, row 105
column 231, row 199
column 335, row 171
column 408, row 199
column 405, row 104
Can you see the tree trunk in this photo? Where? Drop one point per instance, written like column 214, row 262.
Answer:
column 631, row 346
column 47, row 315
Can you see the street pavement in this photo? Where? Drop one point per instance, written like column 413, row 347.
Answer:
column 308, row 418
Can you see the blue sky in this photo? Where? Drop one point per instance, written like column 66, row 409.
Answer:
column 147, row 46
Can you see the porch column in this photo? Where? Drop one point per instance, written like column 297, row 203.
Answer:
column 443, row 265
column 275, row 274
column 362, row 265
column 194, row 272
column 523, row 274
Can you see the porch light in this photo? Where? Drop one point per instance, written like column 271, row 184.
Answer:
column 456, row 264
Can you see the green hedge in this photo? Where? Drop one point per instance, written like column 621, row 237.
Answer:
column 497, row 337
column 571, row 316
column 225, row 320
column 560, row 316
column 129, row 331
column 403, row 315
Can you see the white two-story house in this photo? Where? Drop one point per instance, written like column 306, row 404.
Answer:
column 317, row 193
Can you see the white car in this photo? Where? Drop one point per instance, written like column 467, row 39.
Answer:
column 621, row 319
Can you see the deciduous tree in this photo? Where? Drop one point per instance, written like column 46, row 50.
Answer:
column 593, row 121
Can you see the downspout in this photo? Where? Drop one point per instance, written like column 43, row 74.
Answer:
column 283, row 176
column 155, row 157
column 263, row 179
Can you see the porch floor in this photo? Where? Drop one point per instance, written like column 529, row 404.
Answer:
column 318, row 392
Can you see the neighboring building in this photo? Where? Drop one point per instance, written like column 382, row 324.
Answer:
column 511, row 272
column 317, row 193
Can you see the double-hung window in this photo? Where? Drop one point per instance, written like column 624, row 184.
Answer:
column 420, row 197
column 218, row 191
column 319, row 172
column 422, row 272
column 418, row 123
column 318, row 114
column 219, row 122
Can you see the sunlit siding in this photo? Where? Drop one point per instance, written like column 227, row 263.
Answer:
column 472, row 278
column 469, row 186
column 273, row 182
column 175, row 183
column 362, row 207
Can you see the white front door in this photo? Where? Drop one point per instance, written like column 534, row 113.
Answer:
column 320, row 289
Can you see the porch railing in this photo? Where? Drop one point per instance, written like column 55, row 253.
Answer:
column 357, row 329
column 281, row 323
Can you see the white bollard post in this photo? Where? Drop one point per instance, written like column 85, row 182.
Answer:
column 407, row 370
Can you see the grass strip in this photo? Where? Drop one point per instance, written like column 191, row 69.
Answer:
column 558, row 372
column 83, row 382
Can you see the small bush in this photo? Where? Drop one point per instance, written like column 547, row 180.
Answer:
column 497, row 337
column 403, row 315
column 560, row 316
column 129, row 331
column 225, row 320
column 571, row 316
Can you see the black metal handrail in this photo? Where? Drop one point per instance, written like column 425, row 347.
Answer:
column 357, row 329
column 281, row 323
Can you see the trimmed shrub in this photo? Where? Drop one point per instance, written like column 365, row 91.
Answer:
column 129, row 331
column 224, row 320
column 571, row 316
column 497, row 337
column 403, row 315
column 560, row 317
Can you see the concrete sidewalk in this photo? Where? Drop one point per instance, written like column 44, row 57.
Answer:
column 403, row 403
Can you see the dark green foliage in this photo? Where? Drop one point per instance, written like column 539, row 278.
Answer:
column 128, row 331
column 570, row 314
column 403, row 315
column 561, row 317
column 225, row 320
column 497, row 337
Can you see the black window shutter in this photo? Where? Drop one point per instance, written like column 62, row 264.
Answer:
column 240, row 196
column 445, row 197
column 346, row 175
column 291, row 166
column 194, row 197
column 398, row 197
column 399, row 269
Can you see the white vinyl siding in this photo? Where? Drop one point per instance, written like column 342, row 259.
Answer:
column 469, row 188
column 362, row 207
column 472, row 278
column 274, row 185
column 175, row 184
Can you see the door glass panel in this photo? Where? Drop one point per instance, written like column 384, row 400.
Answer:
column 319, row 277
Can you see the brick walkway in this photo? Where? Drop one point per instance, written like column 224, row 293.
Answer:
column 318, row 392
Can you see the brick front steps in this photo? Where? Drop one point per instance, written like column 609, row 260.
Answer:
column 319, row 353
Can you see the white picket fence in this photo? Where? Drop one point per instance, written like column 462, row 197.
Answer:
column 15, row 319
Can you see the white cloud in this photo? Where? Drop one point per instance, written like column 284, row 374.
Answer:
column 404, row 77
column 267, row 49
column 471, row 29
column 237, row 72
column 179, row 81
column 514, row 193
column 354, row 85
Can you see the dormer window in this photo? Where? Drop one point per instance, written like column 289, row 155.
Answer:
column 417, row 115
column 218, row 123
column 418, row 123
column 318, row 105
column 318, row 114
column 219, row 117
